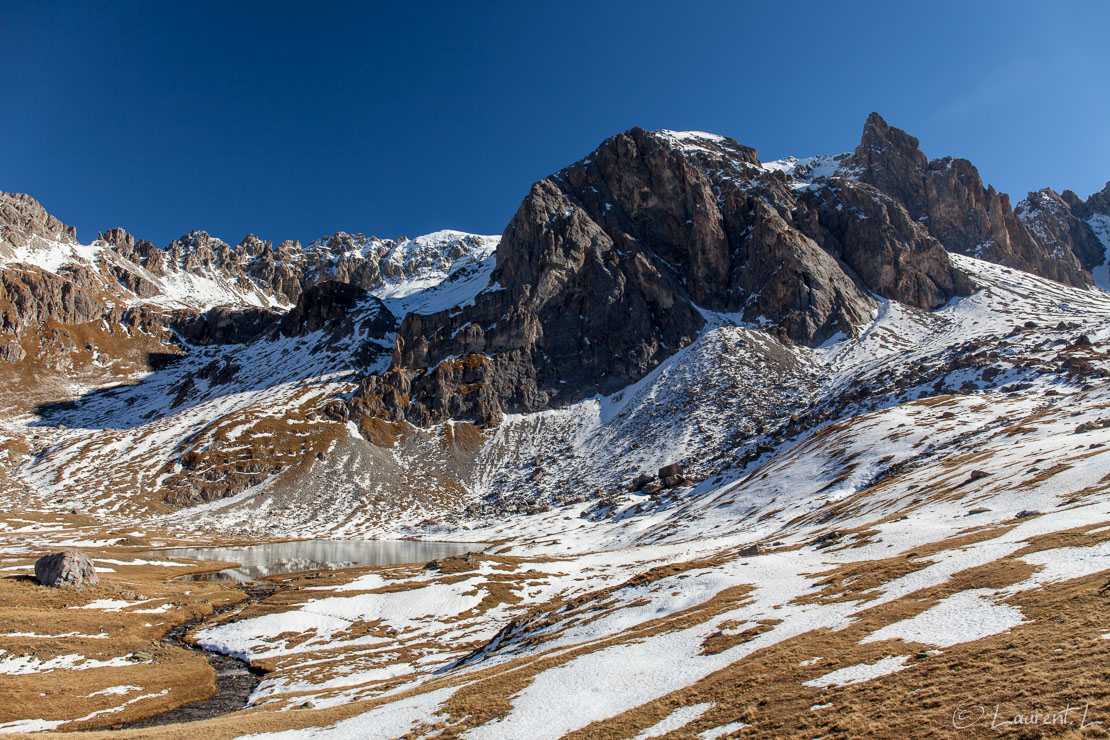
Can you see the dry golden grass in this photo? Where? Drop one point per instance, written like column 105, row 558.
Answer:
column 1057, row 657
column 379, row 432
column 27, row 607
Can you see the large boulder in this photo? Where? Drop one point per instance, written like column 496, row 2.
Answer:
column 65, row 569
column 671, row 476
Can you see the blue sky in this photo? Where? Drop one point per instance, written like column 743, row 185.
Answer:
column 297, row 120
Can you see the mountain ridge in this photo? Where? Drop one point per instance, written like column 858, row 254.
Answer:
column 745, row 221
column 738, row 442
column 611, row 267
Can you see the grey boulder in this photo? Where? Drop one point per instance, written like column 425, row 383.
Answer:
column 64, row 569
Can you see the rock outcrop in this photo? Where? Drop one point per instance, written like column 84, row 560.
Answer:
column 22, row 218
column 609, row 267
column 223, row 324
column 328, row 304
column 948, row 197
column 1096, row 205
column 891, row 254
column 1056, row 224
column 65, row 569
column 32, row 297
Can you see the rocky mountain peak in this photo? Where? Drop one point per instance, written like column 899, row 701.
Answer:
column 194, row 240
column 884, row 147
column 948, row 197
column 22, row 218
column 1100, row 202
column 117, row 237
column 701, row 143
column 254, row 244
column 1056, row 222
column 611, row 265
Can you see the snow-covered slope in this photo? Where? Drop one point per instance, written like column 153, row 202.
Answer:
column 722, row 407
column 949, row 509
column 804, row 170
column 128, row 423
column 881, row 510
column 1100, row 224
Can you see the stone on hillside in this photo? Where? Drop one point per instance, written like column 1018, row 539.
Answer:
column 671, row 476
column 669, row 471
column 63, row 569
column 1077, row 366
column 12, row 352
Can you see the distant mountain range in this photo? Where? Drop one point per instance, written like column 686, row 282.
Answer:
column 375, row 383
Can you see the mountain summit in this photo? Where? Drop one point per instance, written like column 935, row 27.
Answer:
column 649, row 247
column 611, row 265
column 751, row 440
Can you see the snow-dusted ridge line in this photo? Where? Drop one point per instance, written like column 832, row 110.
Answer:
column 408, row 266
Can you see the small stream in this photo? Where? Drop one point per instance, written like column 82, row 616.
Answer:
column 235, row 678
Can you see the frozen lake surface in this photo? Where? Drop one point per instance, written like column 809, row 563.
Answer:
column 276, row 558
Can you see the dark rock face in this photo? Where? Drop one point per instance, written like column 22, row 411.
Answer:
column 1055, row 222
column 606, row 267
column 65, row 569
column 223, row 324
column 326, row 305
column 339, row 309
column 1098, row 203
column 875, row 236
column 947, row 196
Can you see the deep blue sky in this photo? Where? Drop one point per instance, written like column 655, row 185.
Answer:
column 293, row 121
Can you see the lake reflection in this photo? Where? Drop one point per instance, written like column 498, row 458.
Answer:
column 276, row 558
